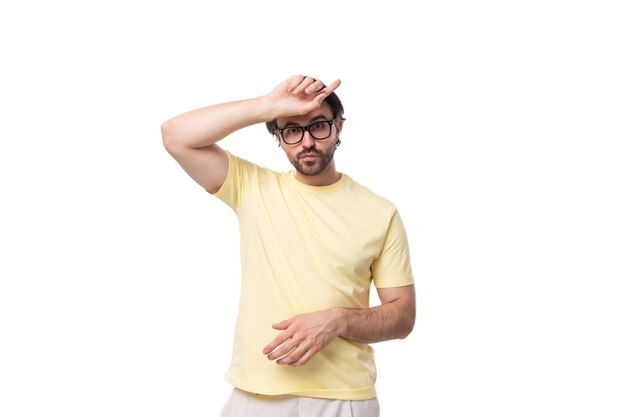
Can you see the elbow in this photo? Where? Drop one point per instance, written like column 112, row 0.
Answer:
column 406, row 332
column 409, row 325
column 168, row 134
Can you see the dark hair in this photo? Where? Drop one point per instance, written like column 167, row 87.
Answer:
column 335, row 106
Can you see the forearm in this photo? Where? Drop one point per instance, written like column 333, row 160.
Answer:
column 206, row 126
column 389, row 321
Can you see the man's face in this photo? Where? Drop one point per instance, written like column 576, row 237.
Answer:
column 311, row 156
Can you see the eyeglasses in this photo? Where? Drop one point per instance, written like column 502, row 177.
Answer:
column 319, row 130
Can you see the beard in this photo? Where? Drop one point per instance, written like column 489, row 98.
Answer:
column 318, row 165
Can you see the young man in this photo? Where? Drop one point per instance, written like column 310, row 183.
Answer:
column 312, row 241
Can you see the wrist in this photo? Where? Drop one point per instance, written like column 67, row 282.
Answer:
column 339, row 320
column 265, row 108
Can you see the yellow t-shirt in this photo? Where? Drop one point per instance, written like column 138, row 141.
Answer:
column 303, row 249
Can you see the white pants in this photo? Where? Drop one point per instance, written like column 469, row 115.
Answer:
column 246, row 404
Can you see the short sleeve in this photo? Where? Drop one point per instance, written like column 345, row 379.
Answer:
column 392, row 267
column 240, row 174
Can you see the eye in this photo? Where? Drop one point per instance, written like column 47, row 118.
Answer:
column 293, row 130
column 317, row 126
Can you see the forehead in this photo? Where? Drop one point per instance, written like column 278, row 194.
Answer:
column 324, row 112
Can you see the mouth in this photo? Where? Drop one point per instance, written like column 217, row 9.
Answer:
column 309, row 156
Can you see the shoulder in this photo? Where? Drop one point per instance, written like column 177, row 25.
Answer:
column 244, row 166
column 366, row 197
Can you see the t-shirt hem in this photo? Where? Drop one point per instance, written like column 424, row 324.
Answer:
column 395, row 283
column 334, row 394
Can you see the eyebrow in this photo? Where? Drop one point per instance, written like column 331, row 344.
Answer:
column 321, row 116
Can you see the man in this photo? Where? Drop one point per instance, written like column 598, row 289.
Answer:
column 312, row 241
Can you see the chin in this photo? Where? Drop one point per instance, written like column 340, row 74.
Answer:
column 311, row 169
column 308, row 171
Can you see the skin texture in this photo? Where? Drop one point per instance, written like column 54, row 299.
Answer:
column 191, row 138
column 321, row 170
column 304, row 335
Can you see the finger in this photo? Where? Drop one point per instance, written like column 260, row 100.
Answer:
column 279, row 340
column 315, row 87
column 307, row 81
column 294, row 356
column 283, row 350
column 306, row 357
column 319, row 98
column 331, row 87
column 283, row 325
column 295, row 81
column 326, row 91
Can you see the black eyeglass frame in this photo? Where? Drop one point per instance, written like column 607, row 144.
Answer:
column 306, row 129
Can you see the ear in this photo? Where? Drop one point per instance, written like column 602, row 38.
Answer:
column 339, row 126
column 277, row 136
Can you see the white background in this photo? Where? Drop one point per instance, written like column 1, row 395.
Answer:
column 496, row 127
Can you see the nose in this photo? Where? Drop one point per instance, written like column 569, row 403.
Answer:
column 307, row 140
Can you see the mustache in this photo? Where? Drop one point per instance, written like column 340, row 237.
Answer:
column 309, row 151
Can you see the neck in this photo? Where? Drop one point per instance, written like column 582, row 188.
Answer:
column 327, row 177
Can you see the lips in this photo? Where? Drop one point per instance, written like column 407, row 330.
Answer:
column 309, row 156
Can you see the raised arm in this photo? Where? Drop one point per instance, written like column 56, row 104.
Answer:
column 191, row 137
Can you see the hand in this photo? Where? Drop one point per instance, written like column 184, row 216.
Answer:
column 304, row 335
column 298, row 95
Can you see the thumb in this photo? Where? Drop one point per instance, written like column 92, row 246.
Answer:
column 318, row 100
